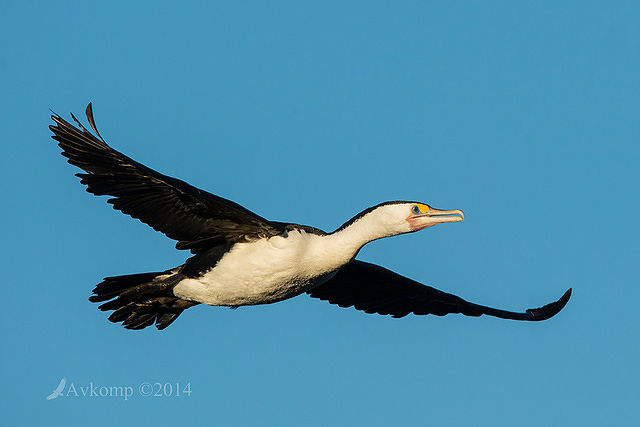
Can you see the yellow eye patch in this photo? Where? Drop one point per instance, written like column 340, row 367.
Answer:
column 419, row 208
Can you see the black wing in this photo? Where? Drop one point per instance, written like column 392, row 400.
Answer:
column 375, row 289
column 196, row 219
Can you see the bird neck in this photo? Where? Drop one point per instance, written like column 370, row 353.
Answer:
column 351, row 237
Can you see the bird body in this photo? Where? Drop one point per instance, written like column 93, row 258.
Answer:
column 272, row 269
column 241, row 259
column 264, row 271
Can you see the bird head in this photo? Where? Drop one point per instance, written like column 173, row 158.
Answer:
column 422, row 216
column 407, row 217
column 393, row 218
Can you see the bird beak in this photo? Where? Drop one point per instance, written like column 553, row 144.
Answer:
column 433, row 217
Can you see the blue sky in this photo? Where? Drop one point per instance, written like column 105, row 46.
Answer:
column 523, row 115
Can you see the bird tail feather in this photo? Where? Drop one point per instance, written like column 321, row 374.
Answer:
column 140, row 300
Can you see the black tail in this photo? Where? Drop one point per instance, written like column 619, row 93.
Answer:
column 141, row 299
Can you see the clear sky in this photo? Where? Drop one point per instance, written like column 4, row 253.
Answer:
column 522, row 114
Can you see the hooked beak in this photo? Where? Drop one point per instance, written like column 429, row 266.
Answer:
column 433, row 217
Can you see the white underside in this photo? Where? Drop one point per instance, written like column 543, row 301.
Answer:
column 266, row 271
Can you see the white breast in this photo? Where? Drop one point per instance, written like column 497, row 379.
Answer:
column 265, row 271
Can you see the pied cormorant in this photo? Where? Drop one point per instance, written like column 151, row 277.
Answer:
column 240, row 258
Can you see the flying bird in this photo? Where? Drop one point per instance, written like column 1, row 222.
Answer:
column 242, row 259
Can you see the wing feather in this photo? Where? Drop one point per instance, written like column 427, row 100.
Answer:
column 196, row 219
column 374, row 289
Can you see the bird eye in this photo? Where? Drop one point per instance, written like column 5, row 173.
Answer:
column 415, row 209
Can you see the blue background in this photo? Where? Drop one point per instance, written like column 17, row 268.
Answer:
column 522, row 114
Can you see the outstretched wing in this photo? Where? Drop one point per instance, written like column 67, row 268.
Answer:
column 375, row 289
column 196, row 219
